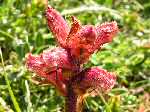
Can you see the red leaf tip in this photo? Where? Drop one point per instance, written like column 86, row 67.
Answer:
column 57, row 25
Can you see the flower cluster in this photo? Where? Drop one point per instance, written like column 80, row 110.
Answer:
column 76, row 44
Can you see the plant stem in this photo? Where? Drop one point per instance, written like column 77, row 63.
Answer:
column 8, row 85
column 71, row 99
column 6, row 34
column 73, row 102
column 29, row 104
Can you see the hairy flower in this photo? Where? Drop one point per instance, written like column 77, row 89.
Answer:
column 94, row 79
column 57, row 25
column 105, row 34
column 48, row 61
column 56, row 58
column 49, row 64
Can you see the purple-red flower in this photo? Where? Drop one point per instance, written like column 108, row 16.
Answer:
column 48, row 61
column 62, row 64
column 94, row 79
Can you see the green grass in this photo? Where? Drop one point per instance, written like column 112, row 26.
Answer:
column 15, row 103
column 23, row 29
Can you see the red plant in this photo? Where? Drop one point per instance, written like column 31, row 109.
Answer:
column 62, row 66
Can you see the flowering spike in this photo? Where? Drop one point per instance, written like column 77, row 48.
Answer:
column 94, row 79
column 62, row 66
column 57, row 25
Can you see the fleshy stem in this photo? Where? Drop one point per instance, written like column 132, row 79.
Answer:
column 73, row 101
column 15, row 103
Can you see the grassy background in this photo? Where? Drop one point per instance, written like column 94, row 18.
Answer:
column 23, row 29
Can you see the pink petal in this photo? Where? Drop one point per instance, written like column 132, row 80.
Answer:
column 94, row 78
column 36, row 64
column 48, row 61
column 57, row 25
column 105, row 34
column 56, row 58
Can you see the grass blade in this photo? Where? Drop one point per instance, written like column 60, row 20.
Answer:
column 15, row 103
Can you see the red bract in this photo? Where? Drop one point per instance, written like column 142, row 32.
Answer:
column 47, row 64
column 94, row 79
column 75, row 27
column 36, row 64
column 105, row 34
column 80, row 42
column 107, row 31
column 49, row 61
column 57, row 25
column 56, row 58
